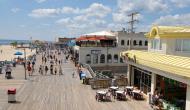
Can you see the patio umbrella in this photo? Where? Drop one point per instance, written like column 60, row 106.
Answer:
column 18, row 53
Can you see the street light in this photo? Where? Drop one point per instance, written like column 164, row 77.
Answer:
column 24, row 61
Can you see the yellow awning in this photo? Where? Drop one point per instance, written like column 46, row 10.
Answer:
column 169, row 63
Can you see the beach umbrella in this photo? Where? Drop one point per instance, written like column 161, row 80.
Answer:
column 18, row 53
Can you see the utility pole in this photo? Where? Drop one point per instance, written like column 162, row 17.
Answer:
column 132, row 21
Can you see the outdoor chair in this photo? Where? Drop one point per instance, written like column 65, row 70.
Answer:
column 108, row 96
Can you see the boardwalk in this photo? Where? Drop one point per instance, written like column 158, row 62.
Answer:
column 54, row 92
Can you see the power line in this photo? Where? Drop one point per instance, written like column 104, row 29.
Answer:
column 132, row 21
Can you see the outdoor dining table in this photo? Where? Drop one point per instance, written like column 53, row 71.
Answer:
column 113, row 89
column 129, row 87
column 120, row 95
column 101, row 95
column 137, row 94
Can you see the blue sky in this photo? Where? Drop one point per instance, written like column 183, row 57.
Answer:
column 47, row 19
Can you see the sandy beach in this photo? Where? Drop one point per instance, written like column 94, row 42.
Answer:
column 8, row 52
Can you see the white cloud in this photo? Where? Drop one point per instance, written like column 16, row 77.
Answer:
column 145, row 5
column 15, row 10
column 70, row 10
column 96, row 10
column 40, row 13
column 40, row 1
column 181, row 3
column 64, row 21
column 174, row 20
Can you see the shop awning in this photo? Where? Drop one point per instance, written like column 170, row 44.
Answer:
column 169, row 63
column 93, row 38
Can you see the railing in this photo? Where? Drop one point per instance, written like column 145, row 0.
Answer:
column 93, row 74
column 87, row 66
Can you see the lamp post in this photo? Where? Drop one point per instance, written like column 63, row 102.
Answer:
column 24, row 48
column 25, row 63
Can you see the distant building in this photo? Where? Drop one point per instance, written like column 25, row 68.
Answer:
column 164, row 67
column 102, row 49
column 61, row 42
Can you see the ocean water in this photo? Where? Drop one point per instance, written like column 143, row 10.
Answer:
column 7, row 42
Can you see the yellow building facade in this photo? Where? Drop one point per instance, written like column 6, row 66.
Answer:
column 165, row 66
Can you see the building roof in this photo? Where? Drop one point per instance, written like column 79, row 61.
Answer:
column 169, row 63
column 169, row 32
column 101, row 33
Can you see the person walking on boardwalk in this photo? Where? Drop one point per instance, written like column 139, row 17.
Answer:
column 41, row 70
column 33, row 64
column 55, row 70
column 60, row 70
column 8, row 71
column 46, row 69
column 29, row 70
column 51, row 69
column 56, row 61
column 45, row 59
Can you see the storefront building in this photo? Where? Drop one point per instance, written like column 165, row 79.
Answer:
column 165, row 66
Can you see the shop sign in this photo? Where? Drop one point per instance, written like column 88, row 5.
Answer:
column 96, row 52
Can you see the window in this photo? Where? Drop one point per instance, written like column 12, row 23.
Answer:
column 121, row 60
column 146, row 43
column 102, row 58
column 128, row 42
column 122, row 42
column 95, row 58
column 88, row 59
column 182, row 45
column 109, row 58
column 156, row 44
column 134, row 42
column 115, row 58
column 140, row 43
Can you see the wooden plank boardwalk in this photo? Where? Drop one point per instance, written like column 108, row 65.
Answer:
column 54, row 92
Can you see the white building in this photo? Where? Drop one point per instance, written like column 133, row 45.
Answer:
column 103, row 48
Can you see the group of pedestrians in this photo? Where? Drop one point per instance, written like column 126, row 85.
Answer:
column 30, row 67
column 55, row 64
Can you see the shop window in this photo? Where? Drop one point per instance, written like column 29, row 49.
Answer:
column 156, row 44
column 122, row 42
column 115, row 58
column 140, row 43
column 182, row 45
column 95, row 58
column 102, row 58
column 88, row 59
column 109, row 58
column 134, row 42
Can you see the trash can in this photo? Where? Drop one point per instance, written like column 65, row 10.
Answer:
column 11, row 95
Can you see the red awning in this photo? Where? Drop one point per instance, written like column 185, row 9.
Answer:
column 92, row 38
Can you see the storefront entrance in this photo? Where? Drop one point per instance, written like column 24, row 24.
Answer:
column 174, row 92
column 142, row 80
